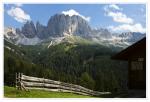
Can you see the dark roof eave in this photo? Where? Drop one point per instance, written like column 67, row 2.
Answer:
column 124, row 54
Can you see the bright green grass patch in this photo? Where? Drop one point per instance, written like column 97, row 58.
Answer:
column 11, row 92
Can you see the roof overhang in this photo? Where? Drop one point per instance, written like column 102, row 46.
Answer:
column 138, row 48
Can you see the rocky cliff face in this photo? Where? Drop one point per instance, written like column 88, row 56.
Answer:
column 131, row 36
column 15, row 36
column 57, row 26
column 42, row 31
column 29, row 30
column 60, row 24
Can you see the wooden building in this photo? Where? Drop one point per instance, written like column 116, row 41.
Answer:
column 136, row 57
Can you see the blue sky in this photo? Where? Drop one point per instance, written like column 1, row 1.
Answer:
column 116, row 17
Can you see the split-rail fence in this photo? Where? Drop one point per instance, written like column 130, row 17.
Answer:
column 24, row 82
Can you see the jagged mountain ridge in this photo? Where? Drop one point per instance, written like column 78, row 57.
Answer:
column 57, row 26
column 60, row 24
column 12, row 36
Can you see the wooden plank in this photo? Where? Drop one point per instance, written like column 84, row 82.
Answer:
column 51, row 85
column 77, row 87
column 57, row 90
column 29, row 78
column 54, row 82
column 36, row 84
column 39, row 84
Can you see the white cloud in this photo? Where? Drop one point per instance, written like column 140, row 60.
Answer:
column 114, row 11
column 112, row 7
column 120, row 17
column 128, row 28
column 18, row 14
column 115, row 7
column 72, row 12
column 127, row 24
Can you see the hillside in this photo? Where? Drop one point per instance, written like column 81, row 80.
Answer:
column 83, row 63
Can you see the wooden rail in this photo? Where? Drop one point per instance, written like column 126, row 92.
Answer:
column 24, row 82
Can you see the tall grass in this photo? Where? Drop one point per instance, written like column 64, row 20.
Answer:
column 11, row 92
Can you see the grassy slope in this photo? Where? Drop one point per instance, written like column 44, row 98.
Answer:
column 11, row 92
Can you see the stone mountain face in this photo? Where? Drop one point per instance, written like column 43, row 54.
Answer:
column 15, row 36
column 74, row 25
column 29, row 30
column 131, row 36
column 41, row 31
column 59, row 25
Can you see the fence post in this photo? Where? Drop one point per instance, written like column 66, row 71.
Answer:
column 21, row 81
column 20, row 88
column 59, row 86
column 18, row 78
column 43, row 83
column 71, row 87
column 16, row 81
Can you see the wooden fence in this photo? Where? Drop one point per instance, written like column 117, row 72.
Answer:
column 24, row 82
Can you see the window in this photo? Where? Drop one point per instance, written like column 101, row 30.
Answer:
column 137, row 65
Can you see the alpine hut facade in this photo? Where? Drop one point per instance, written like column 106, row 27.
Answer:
column 136, row 57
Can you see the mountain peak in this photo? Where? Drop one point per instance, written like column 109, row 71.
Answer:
column 61, row 23
column 29, row 29
column 69, row 26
